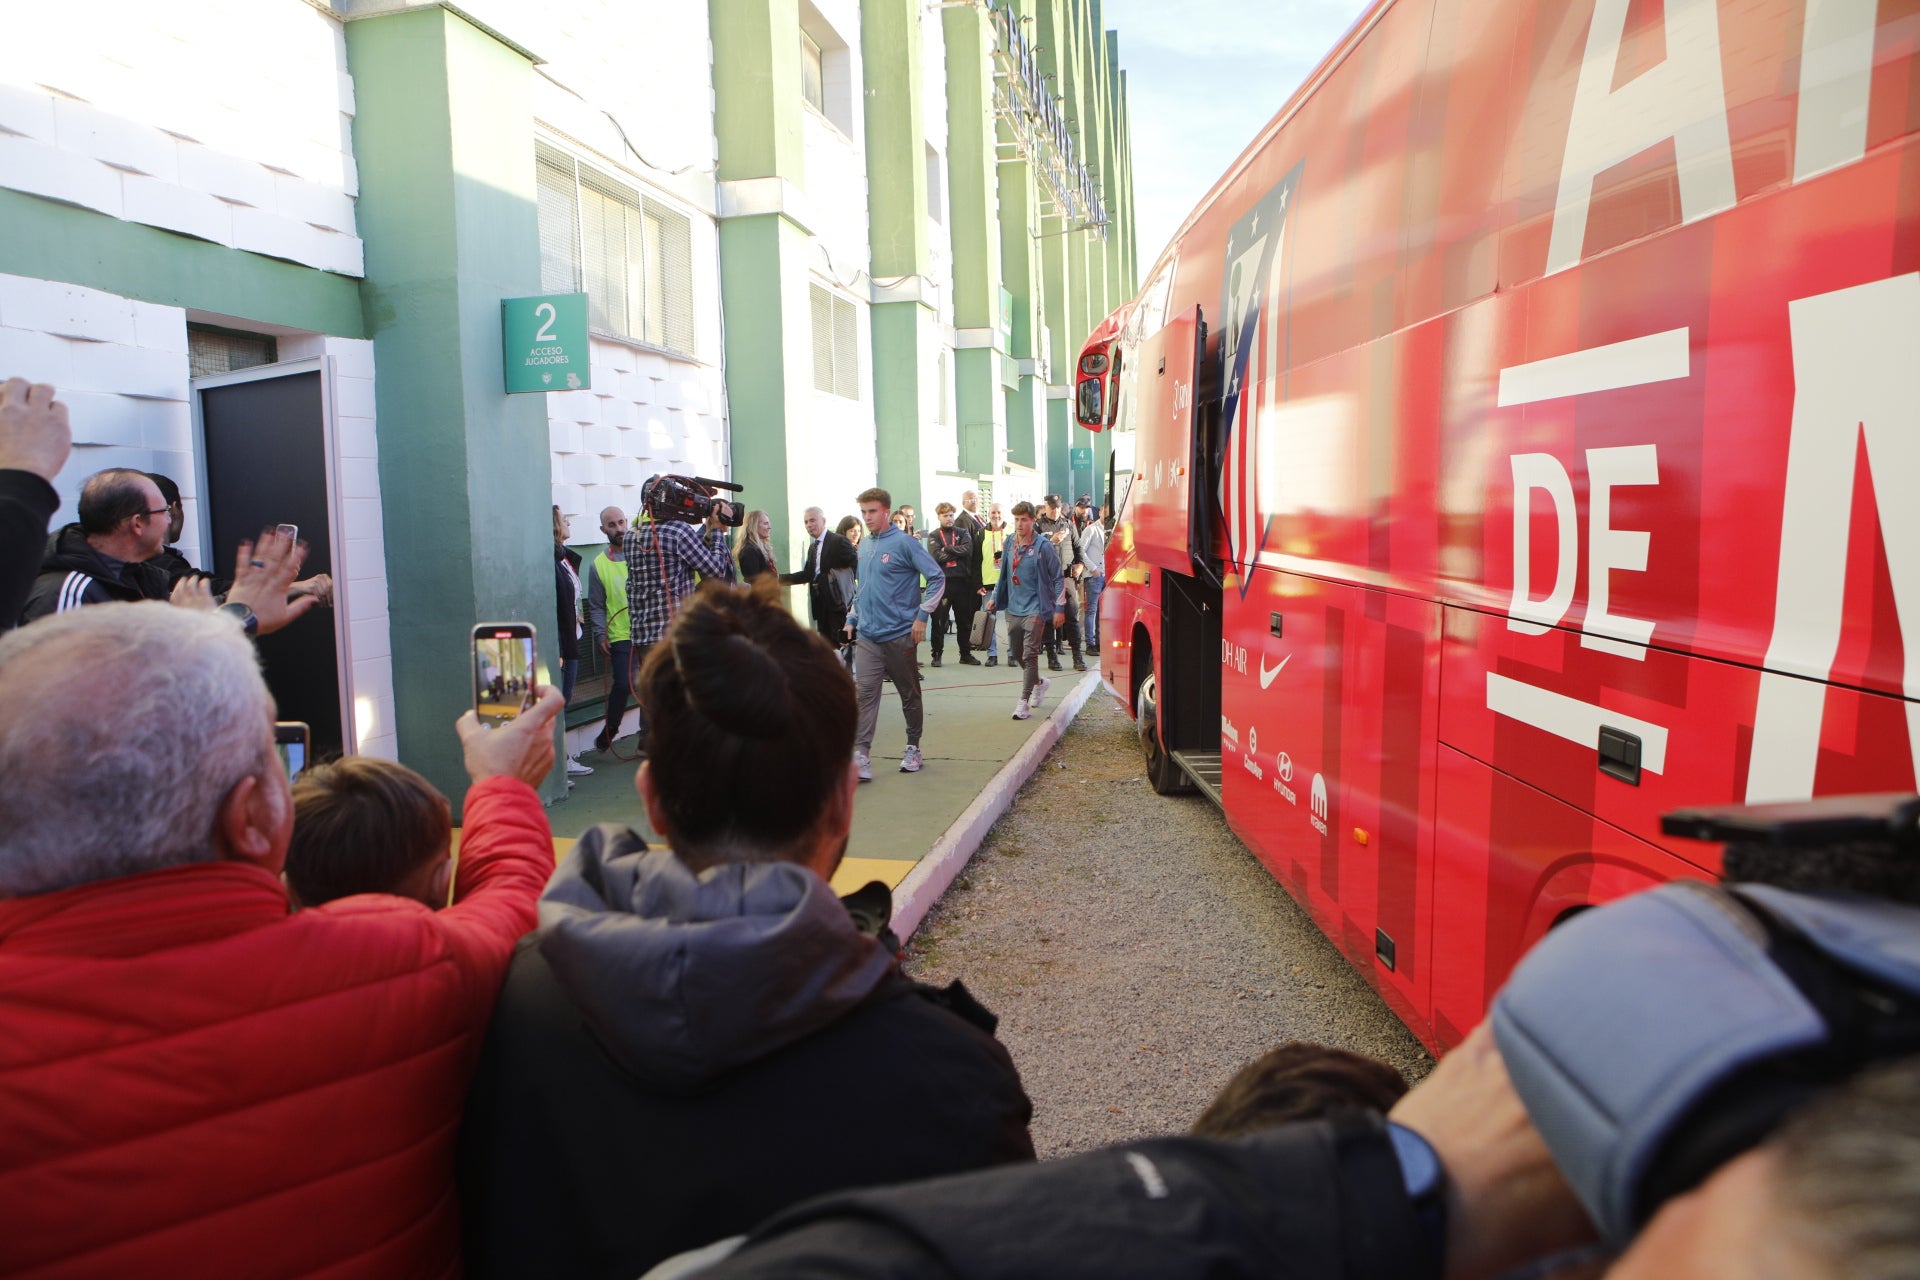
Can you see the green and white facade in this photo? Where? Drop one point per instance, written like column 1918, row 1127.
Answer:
column 826, row 244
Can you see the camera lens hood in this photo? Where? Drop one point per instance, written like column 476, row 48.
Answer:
column 1655, row 1037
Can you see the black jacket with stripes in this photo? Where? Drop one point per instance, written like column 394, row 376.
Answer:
column 74, row 574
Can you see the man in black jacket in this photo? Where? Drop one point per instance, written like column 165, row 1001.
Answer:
column 1059, row 530
column 828, row 554
column 105, row 555
column 952, row 548
column 34, row 442
column 661, row 1067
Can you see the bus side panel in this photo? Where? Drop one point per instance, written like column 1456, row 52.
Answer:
column 1510, row 861
column 1386, row 788
column 1532, row 706
column 1721, row 372
column 1280, row 701
column 1327, row 752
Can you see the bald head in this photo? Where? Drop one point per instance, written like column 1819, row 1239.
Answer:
column 123, row 514
column 613, row 524
column 96, row 790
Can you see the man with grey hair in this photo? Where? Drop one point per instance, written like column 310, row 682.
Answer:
column 827, row 575
column 192, row 1066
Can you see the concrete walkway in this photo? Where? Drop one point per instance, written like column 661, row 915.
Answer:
column 912, row 830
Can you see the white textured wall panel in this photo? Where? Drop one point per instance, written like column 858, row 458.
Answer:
column 227, row 121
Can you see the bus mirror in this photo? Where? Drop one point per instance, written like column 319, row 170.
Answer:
column 1091, row 403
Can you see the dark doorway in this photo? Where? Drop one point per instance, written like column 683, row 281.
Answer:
column 266, row 456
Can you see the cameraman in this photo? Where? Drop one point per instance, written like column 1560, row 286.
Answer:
column 662, row 556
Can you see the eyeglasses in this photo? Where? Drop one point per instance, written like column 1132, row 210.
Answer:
column 164, row 511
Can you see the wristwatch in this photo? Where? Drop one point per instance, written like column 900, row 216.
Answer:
column 249, row 621
column 1426, row 1182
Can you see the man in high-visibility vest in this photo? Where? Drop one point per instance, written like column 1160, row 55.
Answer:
column 607, row 618
column 993, row 538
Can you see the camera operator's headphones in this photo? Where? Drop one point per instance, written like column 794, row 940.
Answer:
column 1659, row 1036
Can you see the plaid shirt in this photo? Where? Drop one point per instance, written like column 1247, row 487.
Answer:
column 662, row 557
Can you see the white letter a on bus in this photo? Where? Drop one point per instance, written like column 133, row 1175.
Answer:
column 1683, row 98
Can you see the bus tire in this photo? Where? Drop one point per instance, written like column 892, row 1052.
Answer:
column 1166, row 777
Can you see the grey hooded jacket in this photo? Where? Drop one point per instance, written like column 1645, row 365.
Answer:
column 674, row 1056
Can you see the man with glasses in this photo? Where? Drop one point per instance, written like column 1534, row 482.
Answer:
column 105, row 555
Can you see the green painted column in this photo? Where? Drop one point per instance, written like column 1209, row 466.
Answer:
column 904, row 329
column 1020, row 267
column 975, row 226
column 443, row 137
column 763, row 253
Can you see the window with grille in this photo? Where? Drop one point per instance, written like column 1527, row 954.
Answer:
column 211, row 350
column 836, row 344
column 813, row 78
column 630, row 254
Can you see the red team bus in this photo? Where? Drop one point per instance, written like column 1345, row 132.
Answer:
column 1521, row 440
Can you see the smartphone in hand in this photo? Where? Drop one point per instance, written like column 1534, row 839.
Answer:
column 503, row 670
column 291, row 742
column 291, row 532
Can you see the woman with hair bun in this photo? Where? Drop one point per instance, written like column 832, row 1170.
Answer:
column 669, row 1054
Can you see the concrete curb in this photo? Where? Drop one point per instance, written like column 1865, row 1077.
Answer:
column 955, row 847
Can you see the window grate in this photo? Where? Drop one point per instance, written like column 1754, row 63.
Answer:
column 212, row 351
column 836, row 344
column 632, row 255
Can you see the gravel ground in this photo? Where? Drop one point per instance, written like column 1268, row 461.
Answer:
column 1136, row 952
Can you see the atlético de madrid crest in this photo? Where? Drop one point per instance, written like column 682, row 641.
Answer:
column 1253, row 311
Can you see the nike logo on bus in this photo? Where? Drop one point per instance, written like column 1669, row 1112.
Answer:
column 1266, row 676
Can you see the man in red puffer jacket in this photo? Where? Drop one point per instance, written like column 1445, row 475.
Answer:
column 195, row 1079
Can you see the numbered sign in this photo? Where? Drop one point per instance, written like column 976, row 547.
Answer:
column 544, row 342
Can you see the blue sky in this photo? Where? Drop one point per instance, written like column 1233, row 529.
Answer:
column 1202, row 77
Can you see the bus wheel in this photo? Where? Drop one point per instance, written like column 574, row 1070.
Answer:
column 1166, row 777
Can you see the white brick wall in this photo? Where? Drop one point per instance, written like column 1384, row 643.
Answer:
column 174, row 116
column 121, row 368
column 607, row 440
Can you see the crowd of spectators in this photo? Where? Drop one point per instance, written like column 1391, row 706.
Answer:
column 279, row 1029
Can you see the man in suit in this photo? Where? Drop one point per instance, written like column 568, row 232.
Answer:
column 970, row 520
column 826, row 553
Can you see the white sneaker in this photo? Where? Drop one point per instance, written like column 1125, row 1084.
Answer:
column 577, row 769
column 910, row 763
column 1021, row 711
column 1039, row 694
column 863, row 766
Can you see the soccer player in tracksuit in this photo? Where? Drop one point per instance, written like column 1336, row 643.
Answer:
column 889, row 620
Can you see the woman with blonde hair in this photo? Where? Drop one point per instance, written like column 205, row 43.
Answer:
column 753, row 546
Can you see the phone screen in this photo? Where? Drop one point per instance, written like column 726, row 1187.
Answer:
column 503, row 670
column 290, row 741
